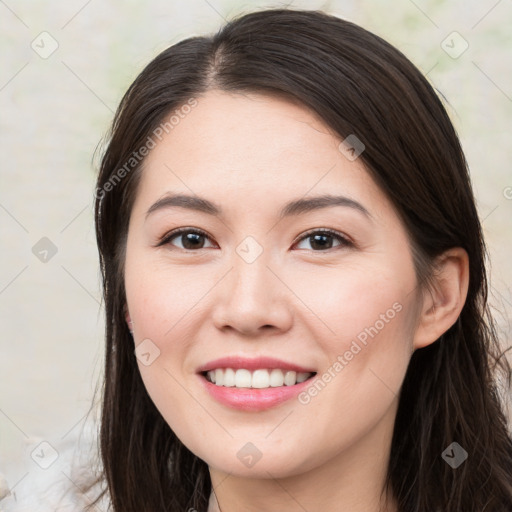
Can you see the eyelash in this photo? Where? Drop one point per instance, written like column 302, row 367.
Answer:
column 344, row 241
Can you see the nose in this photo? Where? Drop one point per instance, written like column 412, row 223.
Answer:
column 252, row 299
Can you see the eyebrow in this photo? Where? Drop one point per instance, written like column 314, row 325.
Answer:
column 295, row 207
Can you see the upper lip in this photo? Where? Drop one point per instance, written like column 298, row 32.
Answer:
column 256, row 363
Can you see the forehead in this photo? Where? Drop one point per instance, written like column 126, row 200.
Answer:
column 238, row 126
column 233, row 145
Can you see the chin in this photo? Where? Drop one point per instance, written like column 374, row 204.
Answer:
column 259, row 459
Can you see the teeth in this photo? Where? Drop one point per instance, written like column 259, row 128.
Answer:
column 276, row 378
column 229, row 378
column 290, row 378
column 258, row 379
column 242, row 378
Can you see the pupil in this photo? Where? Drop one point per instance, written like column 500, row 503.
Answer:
column 192, row 239
column 317, row 238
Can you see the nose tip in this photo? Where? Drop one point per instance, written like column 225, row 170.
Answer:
column 252, row 300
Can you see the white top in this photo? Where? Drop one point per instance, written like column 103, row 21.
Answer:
column 50, row 474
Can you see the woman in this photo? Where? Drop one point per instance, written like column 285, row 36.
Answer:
column 294, row 281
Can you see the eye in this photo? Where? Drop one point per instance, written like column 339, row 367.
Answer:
column 322, row 239
column 191, row 238
column 194, row 238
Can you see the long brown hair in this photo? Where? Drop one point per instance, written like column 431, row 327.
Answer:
column 358, row 84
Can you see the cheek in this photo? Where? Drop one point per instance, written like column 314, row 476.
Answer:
column 359, row 385
column 161, row 301
column 164, row 306
column 185, row 416
column 366, row 333
column 356, row 300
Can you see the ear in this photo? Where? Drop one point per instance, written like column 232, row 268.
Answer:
column 443, row 303
column 128, row 319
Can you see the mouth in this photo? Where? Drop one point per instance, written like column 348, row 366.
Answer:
column 261, row 378
column 254, row 384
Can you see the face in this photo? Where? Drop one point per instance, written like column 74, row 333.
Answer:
column 258, row 296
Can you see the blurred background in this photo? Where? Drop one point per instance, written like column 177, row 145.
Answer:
column 64, row 67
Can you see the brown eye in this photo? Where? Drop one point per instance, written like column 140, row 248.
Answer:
column 321, row 240
column 190, row 239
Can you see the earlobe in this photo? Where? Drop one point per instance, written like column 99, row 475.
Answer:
column 443, row 302
column 128, row 320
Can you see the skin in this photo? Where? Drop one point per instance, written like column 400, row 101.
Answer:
column 251, row 154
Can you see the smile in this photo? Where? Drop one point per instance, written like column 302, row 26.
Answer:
column 257, row 379
column 253, row 384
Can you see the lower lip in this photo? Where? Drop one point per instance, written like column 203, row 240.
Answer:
column 253, row 399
